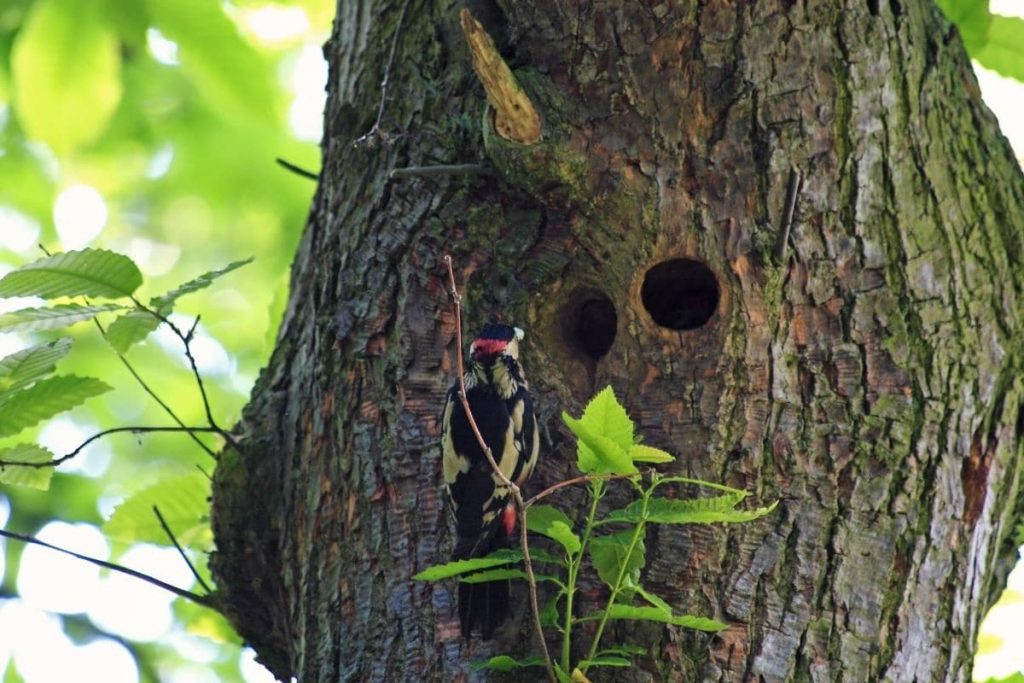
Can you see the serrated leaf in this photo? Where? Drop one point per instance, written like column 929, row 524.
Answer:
column 26, row 366
column 183, row 502
column 608, row 553
column 620, row 611
column 553, row 523
column 456, row 567
column 89, row 272
column 1003, row 48
column 66, row 68
column 597, row 454
column 506, row 663
column 23, row 408
column 606, row 417
column 203, row 281
column 698, row 482
column 702, row 510
column 21, row 475
column 641, row 453
column 51, row 318
column 130, row 328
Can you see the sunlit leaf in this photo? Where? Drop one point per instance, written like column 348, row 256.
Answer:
column 20, row 475
column 66, row 65
column 605, row 416
column 23, row 408
column 972, row 19
column 51, row 318
column 203, row 281
column 183, row 502
column 598, row 454
column 456, row 567
column 26, row 366
column 620, row 611
column 641, row 453
column 226, row 68
column 553, row 523
column 131, row 328
column 1003, row 50
column 89, row 272
column 608, row 553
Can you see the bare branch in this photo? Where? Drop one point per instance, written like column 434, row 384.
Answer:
column 116, row 430
column 181, row 551
column 297, row 170
column 204, row 600
column 796, row 181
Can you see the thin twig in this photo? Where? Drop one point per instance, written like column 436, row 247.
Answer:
column 152, row 394
column 186, row 341
column 181, row 551
column 297, row 170
column 516, row 492
column 584, row 479
column 116, row 430
column 796, row 181
column 375, row 131
column 204, row 600
column 438, row 170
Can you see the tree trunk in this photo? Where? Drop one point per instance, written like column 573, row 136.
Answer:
column 861, row 362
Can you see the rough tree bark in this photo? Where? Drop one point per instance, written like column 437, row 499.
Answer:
column 864, row 371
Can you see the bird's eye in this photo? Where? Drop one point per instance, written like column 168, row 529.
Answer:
column 519, row 332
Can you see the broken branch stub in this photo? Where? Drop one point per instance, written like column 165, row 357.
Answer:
column 515, row 117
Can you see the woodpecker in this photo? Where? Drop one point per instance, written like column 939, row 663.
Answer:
column 485, row 516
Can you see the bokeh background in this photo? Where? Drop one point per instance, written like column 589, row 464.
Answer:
column 151, row 128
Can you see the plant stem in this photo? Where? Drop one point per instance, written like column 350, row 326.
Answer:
column 637, row 535
column 596, row 491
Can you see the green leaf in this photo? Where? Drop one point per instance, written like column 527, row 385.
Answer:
column 702, row 510
column 641, row 453
column 620, row 611
column 89, row 272
column 456, row 567
column 1003, row 52
column 549, row 615
column 23, row 408
column 561, row 675
column 623, row 650
column 183, row 501
column 605, row 416
column 607, row 660
column 608, row 553
column 26, row 366
column 21, row 475
column 972, row 19
column 228, row 71
column 597, row 454
column 131, row 328
column 167, row 300
column 655, row 600
column 487, row 575
column 553, row 523
column 54, row 317
column 697, row 482
column 506, row 663
column 66, row 67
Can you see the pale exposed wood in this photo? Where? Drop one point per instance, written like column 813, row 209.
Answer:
column 515, row 117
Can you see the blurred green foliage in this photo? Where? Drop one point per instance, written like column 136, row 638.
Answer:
column 172, row 112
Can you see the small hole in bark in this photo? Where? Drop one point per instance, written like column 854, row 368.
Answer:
column 680, row 294
column 588, row 322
